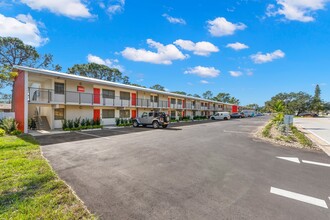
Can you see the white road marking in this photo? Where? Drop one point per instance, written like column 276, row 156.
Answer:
column 93, row 135
column 316, row 163
column 238, row 132
column 292, row 159
column 299, row 197
column 318, row 136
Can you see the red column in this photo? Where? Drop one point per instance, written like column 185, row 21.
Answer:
column 19, row 99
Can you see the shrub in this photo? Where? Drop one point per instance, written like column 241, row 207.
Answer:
column 117, row 121
column 16, row 132
column 9, row 125
column 64, row 124
column 121, row 121
column 266, row 130
column 302, row 139
column 83, row 123
column 76, row 122
column 70, row 124
column 88, row 122
column 32, row 124
column 96, row 122
column 2, row 132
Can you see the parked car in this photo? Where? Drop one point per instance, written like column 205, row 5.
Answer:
column 259, row 114
column 249, row 113
column 220, row 116
column 156, row 119
column 236, row 115
column 308, row 114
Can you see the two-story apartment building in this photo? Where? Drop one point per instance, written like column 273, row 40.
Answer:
column 54, row 96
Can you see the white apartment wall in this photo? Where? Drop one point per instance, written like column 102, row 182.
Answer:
column 72, row 112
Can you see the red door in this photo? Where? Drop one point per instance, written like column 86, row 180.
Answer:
column 234, row 109
column 169, row 102
column 97, row 114
column 97, row 99
column 133, row 113
column 134, row 99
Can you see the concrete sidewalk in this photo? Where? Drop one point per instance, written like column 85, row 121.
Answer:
column 317, row 129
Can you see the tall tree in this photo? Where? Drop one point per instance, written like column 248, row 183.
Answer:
column 234, row 100
column 158, row 87
column 317, row 104
column 196, row 96
column 207, row 95
column 98, row 71
column 14, row 52
column 180, row 92
column 222, row 97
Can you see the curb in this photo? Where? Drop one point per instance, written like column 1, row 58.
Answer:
column 316, row 140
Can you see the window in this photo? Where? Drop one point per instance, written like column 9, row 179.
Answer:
column 108, row 113
column 124, row 114
column 59, row 114
column 179, row 101
column 59, row 88
column 173, row 101
column 151, row 114
column 172, row 114
column 125, row 95
column 108, row 94
column 144, row 115
column 153, row 98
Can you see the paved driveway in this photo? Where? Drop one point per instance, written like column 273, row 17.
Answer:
column 319, row 127
column 205, row 171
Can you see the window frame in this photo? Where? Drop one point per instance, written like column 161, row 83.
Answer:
column 111, row 116
column 56, row 91
column 108, row 96
column 56, row 116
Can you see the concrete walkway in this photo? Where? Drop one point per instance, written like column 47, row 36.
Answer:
column 318, row 130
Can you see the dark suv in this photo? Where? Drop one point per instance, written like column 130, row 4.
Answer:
column 156, row 119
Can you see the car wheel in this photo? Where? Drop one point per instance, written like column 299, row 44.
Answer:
column 225, row 118
column 155, row 124
column 135, row 124
column 212, row 118
column 164, row 126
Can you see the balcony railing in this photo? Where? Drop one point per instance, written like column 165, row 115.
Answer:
column 36, row 95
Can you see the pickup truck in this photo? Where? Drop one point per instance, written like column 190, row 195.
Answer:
column 156, row 119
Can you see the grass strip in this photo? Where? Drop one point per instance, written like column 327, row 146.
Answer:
column 301, row 137
column 29, row 188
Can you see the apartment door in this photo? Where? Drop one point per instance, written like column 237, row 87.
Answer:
column 97, row 93
column 133, row 113
column 97, row 114
column 134, row 99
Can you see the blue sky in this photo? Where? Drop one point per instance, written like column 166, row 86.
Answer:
column 251, row 49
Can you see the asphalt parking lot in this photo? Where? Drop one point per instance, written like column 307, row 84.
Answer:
column 206, row 170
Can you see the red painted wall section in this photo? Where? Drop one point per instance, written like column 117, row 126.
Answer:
column 133, row 113
column 169, row 102
column 97, row 114
column 133, row 99
column 19, row 99
column 97, row 96
column 234, row 109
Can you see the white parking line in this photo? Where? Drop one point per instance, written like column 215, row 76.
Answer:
column 299, row 197
column 292, row 159
column 238, row 132
column 318, row 136
column 316, row 163
column 92, row 135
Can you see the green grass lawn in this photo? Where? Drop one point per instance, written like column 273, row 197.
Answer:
column 29, row 189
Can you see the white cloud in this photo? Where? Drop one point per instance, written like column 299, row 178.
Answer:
column 202, row 48
column 204, row 82
column 68, row 8
column 174, row 20
column 108, row 62
column 116, row 7
column 237, row 46
column 203, row 71
column 165, row 53
column 235, row 73
column 221, row 27
column 296, row 10
column 268, row 57
column 23, row 27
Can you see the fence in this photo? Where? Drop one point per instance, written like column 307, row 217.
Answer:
column 7, row 115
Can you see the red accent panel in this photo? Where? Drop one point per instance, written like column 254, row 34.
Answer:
column 169, row 102
column 133, row 113
column 19, row 99
column 234, row 109
column 97, row 99
column 134, row 100
column 97, row 114
column 80, row 89
column 182, row 113
column 184, row 103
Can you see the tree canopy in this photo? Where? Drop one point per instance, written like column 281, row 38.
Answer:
column 207, row 95
column 98, row 71
column 158, row 87
column 14, row 52
column 180, row 92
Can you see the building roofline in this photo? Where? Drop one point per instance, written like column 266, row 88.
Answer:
column 109, row 83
